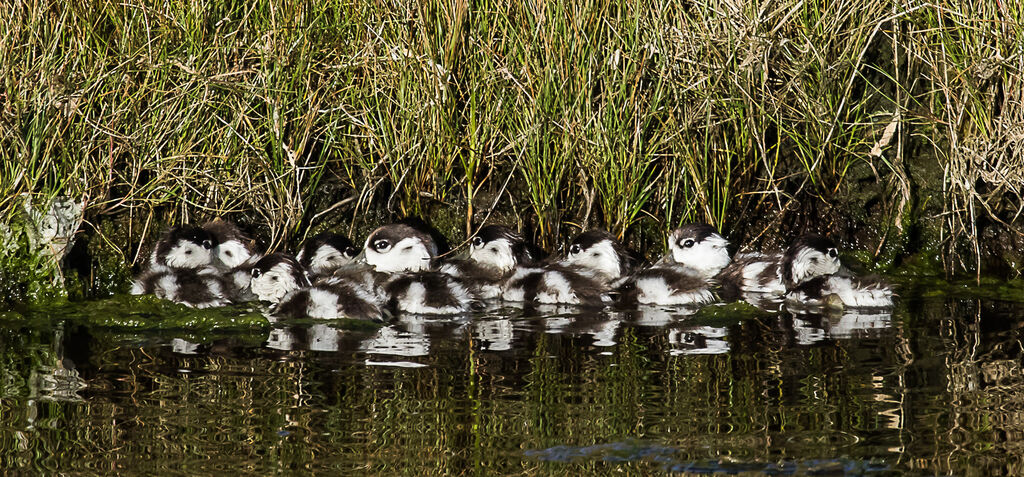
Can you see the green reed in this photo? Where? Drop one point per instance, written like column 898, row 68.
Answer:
column 587, row 114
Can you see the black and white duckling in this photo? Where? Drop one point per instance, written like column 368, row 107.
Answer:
column 697, row 253
column 323, row 254
column 807, row 257
column 197, row 288
column 405, row 256
column 841, row 291
column 600, row 255
column 183, row 247
column 332, row 298
column 275, row 276
column 494, row 254
column 234, row 255
column 280, row 280
column 181, row 270
column 555, row 284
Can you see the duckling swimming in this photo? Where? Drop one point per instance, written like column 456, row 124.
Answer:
column 851, row 292
column 697, row 253
column 807, row 257
column 332, row 298
column 405, row 255
column 234, row 255
column 494, row 254
column 325, row 253
column 197, row 288
column 601, row 256
column 275, row 276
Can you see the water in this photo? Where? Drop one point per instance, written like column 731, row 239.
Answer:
column 935, row 388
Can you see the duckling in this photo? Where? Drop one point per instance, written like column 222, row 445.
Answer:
column 275, row 276
column 494, row 254
column 850, row 292
column 332, row 298
column 233, row 247
column 324, row 253
column 555, row 284
column 197, row 288
column 234, row 255
column 807, row 257
column 183, row 247
column 404, row 255
column 181, row 270
column 600, row 255
column 697, row 253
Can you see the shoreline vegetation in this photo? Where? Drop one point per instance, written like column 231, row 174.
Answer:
column 894, row 127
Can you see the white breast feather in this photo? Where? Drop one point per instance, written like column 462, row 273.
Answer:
column 322, row 304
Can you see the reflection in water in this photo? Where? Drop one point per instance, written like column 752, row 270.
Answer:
column 698, row 340
column 936, row 389
column 496, row 335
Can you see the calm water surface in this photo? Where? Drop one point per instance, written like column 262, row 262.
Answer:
column 934, row 388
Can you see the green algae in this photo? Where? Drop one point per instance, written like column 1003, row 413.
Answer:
column 728, row 313
column 148, row 313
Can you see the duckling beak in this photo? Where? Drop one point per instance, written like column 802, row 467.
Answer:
column 360, row 257
column 666, row 259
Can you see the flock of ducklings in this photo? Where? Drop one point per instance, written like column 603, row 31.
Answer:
column 401, row 270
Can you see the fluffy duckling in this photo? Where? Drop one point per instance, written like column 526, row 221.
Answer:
column 404, row 255
column 234, row 255
column 323, row 254
column 197, row 288
column 697, row 253
column 555, row 284
column 807, row 257
column 600, row 255
column 183, row 247
column 275, row 276
column 282, row 281
column 850, row 292
column 332, row 298
column 181, row 270
column 494, row 254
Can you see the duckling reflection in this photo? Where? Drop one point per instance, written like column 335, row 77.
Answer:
column 59, row 381
column 658, row 316
column 495, row 335
column 314, row 337
column 698, row 340
column 854, row 324
column 181, row 346
column 601, row 326
column 395, row 341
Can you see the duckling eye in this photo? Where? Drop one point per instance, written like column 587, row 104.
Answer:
column 256, row 273
column 478, row 242
column 833, row 253
column 207, row 244
column 688, row 243
column 350, row 252
column 381, row 245
column 574, row 249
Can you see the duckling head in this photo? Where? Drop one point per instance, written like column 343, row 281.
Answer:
column 700, row 249
column 185, row 246
column 275, row 275
column 501, row 248
column 398, row 248
column 233, row 246
column 808, row 257
column 598, row 252
column 326, row 252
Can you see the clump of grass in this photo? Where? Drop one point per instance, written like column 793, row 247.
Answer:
column 587, row 114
